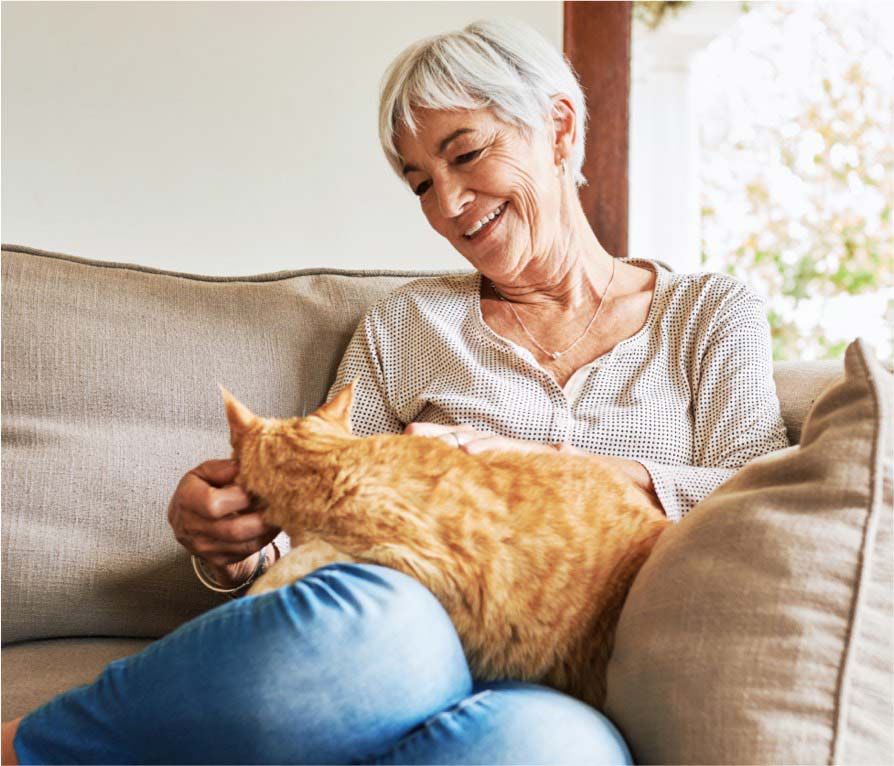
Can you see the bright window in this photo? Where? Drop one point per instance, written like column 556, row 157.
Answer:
column 795, row 111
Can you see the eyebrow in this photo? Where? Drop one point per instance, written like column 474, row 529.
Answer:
column 442, row 146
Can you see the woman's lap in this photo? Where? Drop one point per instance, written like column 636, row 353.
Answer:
column 353, row 663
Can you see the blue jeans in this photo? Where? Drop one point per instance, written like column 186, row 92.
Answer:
column 352, row 664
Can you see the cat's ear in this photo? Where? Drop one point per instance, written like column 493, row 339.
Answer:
column 339, row 407
column 239, row 416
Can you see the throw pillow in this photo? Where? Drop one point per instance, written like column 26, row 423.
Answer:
column 760, row 629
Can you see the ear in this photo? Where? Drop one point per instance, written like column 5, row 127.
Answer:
column 339, row 407
column 563, row 119
column 241, row 418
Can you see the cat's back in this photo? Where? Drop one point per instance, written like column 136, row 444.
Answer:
column 572, row 488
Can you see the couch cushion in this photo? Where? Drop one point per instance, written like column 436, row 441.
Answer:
column 110, row 395
column 36, row 671
column 798, row 384
column 760, row 629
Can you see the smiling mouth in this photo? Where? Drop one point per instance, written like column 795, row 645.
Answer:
column 485, row 223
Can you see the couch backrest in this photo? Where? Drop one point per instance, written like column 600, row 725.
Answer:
column 798, row 384
column 110, row 395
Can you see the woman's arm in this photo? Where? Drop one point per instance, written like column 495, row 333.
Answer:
column 635, row 470
column 472, row 441
column 735, row 410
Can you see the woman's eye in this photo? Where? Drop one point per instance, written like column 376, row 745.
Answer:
column 422, row 188
column 462, row 159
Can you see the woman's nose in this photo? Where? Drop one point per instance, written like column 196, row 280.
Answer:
column 452, row 196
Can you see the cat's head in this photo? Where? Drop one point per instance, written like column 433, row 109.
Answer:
column 265, row 445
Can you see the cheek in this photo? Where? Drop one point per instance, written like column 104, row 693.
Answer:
column 529, row 192
column 433, row 215
column 520, row 175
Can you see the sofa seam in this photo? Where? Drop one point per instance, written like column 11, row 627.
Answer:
column 274, row 276
column 842, row 692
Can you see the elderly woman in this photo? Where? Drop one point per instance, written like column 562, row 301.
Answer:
column 551, row 344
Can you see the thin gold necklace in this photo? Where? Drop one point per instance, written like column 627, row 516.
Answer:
column 559, row 354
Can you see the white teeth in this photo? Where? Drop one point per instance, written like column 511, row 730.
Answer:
column 489, row 217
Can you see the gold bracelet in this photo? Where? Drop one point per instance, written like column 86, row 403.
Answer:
column 198, row 566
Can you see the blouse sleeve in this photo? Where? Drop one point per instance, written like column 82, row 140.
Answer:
column 363, row 361
column 735, row 410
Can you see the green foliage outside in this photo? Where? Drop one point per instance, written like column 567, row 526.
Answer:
column 797, row 133
column 654, row 12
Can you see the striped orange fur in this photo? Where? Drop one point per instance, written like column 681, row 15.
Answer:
column 531, row 555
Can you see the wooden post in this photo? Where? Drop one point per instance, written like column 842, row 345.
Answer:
column 597, row 43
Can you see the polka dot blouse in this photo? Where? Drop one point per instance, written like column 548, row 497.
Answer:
column 690, row 396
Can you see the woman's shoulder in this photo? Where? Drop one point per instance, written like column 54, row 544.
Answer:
column 430, row 296
column 699, row 291
column 438, row 287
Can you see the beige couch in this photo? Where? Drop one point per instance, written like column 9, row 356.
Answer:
column 110, row 393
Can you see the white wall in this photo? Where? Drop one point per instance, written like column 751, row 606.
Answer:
column 216, row 138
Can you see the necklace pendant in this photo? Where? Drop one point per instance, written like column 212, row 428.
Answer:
column 556, row 354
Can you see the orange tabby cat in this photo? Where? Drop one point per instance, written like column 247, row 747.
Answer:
column 531, row 555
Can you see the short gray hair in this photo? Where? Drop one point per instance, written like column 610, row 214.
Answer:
column 502, row 65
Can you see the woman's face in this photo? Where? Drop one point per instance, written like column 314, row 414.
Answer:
column 492, row 191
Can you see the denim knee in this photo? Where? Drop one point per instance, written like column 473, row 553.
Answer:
column 374, row 607
column 512, row 723
column 550, row 727
column 375, row 655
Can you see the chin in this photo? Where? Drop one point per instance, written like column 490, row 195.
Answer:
column 499, row 257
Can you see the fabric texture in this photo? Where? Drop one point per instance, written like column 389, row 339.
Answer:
column 691, row 396
column 35, row 671
column 760, row 629
column 110, row 394
column 799, row 384
column 351, row 645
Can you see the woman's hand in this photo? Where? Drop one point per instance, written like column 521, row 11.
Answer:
column 473, row 441
column 216, row 520
column 637, row 472
column 633, row 469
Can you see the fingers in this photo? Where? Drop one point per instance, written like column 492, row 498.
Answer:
column 234, row 529
column 217, row 473
column 427, row 429
column 221, row 554
column 493, row 442
column 473, row 441
column 197, row 496
column 221, row 514
column 455, row 436
column 224, row 541
column 216, row 519
column 224, row 501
